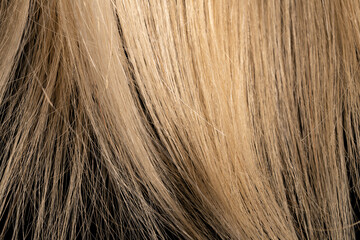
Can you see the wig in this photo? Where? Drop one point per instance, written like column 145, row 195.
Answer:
column 179, row 119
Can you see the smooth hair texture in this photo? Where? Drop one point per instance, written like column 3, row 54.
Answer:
column 177, row 119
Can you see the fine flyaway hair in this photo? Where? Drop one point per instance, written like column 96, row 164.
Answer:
column 179, row 119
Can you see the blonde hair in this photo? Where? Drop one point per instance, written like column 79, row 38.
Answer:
column 201, row 119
